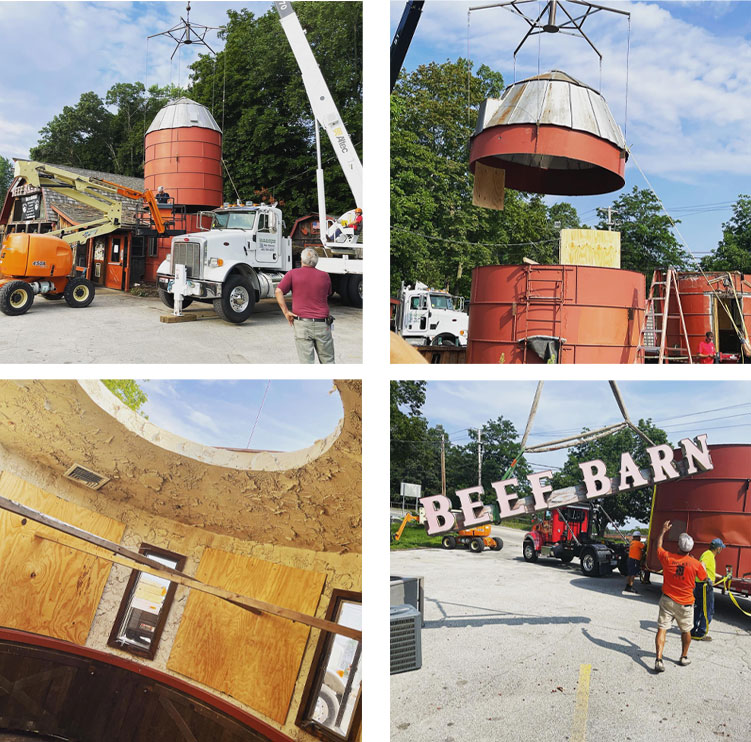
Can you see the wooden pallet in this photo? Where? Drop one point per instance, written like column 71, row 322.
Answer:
column 189, row 316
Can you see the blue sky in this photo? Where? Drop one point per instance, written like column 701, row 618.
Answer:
column 59, row 50
column 222, row 413
column 689, row 92
column 681, row 408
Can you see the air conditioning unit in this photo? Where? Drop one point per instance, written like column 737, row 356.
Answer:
column 406, row 644
column 409, row 590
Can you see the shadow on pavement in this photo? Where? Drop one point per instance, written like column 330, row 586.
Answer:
column 629, row 648
column 493, row 617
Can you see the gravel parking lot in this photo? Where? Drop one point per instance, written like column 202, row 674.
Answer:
column 120, row 328
column 505, row 644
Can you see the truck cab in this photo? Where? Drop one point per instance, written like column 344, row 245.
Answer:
column 431, row 317
column 238, row 258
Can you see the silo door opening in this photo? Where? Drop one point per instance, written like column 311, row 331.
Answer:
column 727, row 338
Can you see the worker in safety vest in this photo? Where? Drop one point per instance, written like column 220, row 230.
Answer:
column 704, row 592
column 679, row 572
column 635, row 554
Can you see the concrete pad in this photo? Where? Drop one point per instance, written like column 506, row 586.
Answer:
column 121, row 328
column 504, row 643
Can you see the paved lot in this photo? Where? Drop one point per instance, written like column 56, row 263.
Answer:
column 120, row 328
column 504, row 643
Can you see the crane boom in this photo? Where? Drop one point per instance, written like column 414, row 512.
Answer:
column 324, row 108
column 93, row 192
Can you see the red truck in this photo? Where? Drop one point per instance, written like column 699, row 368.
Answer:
column 575, row 531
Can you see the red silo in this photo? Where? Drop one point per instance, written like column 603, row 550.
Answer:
column 708, row 505
column 561, row 313
column 712, row 302
column 184, row 154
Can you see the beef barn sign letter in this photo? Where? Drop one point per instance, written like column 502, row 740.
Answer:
column 596, row 483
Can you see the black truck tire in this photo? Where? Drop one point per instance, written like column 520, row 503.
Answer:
column 16, row 297
column 476, row 545
column 590, row 566
column 623, row 564
column 448, row 542
column 354, row 290
column 566, row 558
column 237, row 300
column 79, row 292
column 528, row 551
column 498, row 544
column 168, row 299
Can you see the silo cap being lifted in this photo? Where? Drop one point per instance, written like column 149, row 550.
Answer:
column 182, row 113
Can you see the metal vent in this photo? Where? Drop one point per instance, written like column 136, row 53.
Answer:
column 85, row 476
column 189, row 255
column 406, row 645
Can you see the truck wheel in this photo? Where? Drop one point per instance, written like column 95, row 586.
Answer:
column 566, row 558
column 498, row 544
column 589, row 564
column 448, row 542
column 529, row 552
column 324, row 711
column 354, row 290
column 79, row 293
column 16, row 297
column 237, row 300
column 476, row 545
column 445, row 338
column 623, row 565
column 168, row 299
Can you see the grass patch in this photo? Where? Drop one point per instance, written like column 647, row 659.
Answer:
column 413, row 537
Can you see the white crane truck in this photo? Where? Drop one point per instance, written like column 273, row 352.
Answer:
column 428, row 316
column 242, row 255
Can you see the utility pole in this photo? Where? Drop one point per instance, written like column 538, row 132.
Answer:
column 443, row 464
column 479, row 457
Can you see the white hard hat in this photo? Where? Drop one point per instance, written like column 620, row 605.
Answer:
column 685, row 543
column 636, row 534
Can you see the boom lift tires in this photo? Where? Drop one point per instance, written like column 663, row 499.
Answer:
column 168, row 299
column 237, row 300
column 16, row 297
column 448, row 542
column 476, row 545
column 79, row 292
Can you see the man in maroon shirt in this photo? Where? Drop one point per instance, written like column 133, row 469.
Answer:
column 310, row 309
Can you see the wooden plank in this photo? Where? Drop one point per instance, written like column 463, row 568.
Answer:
column 254, row 659
column 258, row 607
column 189, row 316
column 46, row 589
column 595, row 247
column 489, row 187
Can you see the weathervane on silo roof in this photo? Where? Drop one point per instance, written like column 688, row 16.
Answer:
column 185, row 33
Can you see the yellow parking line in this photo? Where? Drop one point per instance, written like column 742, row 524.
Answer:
column 579, row 728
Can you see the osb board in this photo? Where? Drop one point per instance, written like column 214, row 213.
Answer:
column 489, row 187
column 255, row 659
column 595, row 247
column 47, row 588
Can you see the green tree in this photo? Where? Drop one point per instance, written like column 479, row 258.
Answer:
column 256, row 91
column 625, row 505
column 6, row 175
column 127, row 391
column 437, row 236
column 647, row 239
column 733, row 253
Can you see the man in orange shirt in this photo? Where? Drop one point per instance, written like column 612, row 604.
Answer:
column 679, row 573
column 635, row 553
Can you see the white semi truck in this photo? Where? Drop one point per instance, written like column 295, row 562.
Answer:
column 426, row 316
column 242, row 255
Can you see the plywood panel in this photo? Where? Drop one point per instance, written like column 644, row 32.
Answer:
column 489, row 187
column 255, row 659
column 46, row 587
column 595, row 247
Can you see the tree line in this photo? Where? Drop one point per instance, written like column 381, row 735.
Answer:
column 438, row 236
column 254, row 89
column 416, row 455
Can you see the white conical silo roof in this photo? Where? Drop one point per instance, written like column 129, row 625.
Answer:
column 183, row 112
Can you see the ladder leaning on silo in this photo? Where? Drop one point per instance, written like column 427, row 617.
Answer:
column 660, row 291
